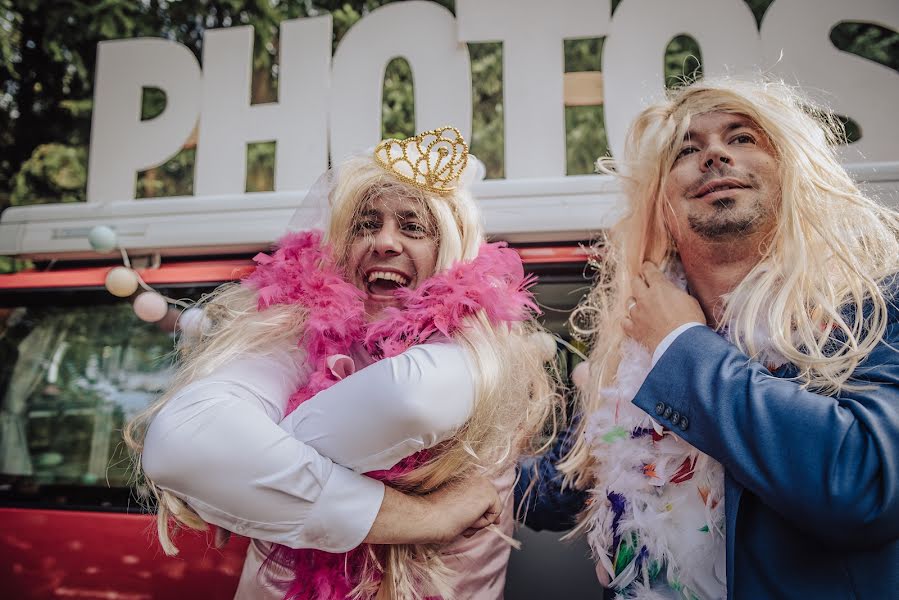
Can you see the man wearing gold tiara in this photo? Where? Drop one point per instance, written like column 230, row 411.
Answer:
column 395, row 343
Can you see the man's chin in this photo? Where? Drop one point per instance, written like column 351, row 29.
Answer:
column 375, row 306
column 724, row 228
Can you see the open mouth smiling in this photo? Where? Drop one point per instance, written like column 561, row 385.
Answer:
column 380, row 282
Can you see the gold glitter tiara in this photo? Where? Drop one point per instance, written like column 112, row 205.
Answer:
column 432, row 160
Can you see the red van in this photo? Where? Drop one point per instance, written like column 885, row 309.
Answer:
column 75, row 365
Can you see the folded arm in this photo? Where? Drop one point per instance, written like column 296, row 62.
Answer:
column 830, row 465
column 393, row 408
column 217, row 445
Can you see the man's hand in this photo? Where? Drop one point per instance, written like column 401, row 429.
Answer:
column 466, row 507
column 657, row 307
column 459, row 508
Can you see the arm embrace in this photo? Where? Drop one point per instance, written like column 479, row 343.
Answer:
column 217, row 444
column 393, row 408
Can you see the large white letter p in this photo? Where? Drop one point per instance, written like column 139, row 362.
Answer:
column 121, row 143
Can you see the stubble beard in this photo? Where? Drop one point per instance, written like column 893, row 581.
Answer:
column 728, row 221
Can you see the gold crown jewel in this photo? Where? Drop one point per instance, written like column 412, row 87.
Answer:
column 432, row 160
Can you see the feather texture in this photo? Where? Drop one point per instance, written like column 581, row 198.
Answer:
column 302, row 271
column 657, row 523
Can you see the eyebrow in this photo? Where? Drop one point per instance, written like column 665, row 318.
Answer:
column 403, row 215
column 738, row 123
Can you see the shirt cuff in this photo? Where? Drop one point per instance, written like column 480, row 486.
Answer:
column 669, row 339
column 345, row 511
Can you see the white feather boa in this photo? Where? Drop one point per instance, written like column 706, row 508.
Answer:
column 657, row 527
column 644, row 503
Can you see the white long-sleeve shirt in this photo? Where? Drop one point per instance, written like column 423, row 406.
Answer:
column 217, row 443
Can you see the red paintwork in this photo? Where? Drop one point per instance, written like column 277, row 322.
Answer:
column 219, row 270
column 199, row 272
column 553, row 254
column 109, row 556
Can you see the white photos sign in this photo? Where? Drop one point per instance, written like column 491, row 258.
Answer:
column 339, row 105
column 333, row 104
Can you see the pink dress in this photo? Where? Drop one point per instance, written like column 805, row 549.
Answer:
column 479, row 562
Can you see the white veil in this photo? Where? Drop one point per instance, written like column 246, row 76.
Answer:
column 314, row 211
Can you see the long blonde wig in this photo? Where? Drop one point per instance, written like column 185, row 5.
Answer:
column 515, row 395
column 827, row 255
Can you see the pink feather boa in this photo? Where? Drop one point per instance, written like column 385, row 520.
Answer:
column 302, row 271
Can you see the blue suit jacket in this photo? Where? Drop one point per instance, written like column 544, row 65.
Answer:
column 812, row 482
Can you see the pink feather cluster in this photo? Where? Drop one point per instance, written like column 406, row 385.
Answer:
column 302, row 271
column 494, row 282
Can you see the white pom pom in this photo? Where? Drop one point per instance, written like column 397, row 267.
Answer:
column 193, row 322
column 545, row 344
column 150, row 307
column 102, row 238
column 474, row 171
column 580, row 375
column 121, row 282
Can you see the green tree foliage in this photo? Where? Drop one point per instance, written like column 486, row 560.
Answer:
column 53, row 173
column 398, row 110
column 585, row 130
column 683, row 61
column 48, row 55
column 488, row 124
column 9, row 264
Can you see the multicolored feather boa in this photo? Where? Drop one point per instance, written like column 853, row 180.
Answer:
column 657, row 529
column 302, row 271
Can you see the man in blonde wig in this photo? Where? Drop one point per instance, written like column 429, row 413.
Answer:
column 741, row 422
column 355, row 400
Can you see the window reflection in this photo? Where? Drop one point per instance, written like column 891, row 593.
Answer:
column 70, row 377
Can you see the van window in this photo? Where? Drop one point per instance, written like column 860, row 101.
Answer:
column 70, row 377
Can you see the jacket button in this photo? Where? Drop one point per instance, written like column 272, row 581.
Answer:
column 660, row 408
column 668, row 411
column 675, row 418
column 684, row 423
